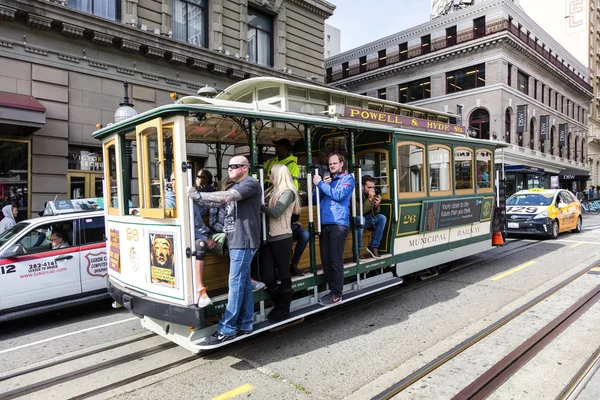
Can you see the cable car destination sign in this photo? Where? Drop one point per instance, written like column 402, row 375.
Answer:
column 401, row 120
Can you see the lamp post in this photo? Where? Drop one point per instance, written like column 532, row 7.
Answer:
column 126, row 109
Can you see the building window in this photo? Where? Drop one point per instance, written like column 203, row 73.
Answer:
column 189, row 21
column 451, row 36
column 509, row 74
column 328, row 75
column 425, row 44
column 328, row 38
column 556, row 101
column 260, row 38
column 362, row 64
column 479, row 27
column 535, row 88
column 465, row 79
column 403, row 49
column 507, row 122
column 381, row 93
column 381, row 58
column 415, row 90
column 345, row 70
column 543, row 93
column 523, row 83
column 109, row 9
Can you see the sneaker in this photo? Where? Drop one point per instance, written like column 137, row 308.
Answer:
column 242, row 332
column 256, row 285
column 217, row 338
column 294, row 271
column 362, row 256
column 203, row 299
column 373, row 251
column 329, row 300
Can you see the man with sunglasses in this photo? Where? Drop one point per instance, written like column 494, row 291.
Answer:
column 241, row 202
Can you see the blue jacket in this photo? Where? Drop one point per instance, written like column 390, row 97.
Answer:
column 335, row 200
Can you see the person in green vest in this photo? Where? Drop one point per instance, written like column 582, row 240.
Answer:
column 283, row 155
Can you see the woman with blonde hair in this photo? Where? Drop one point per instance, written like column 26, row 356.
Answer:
column 281, row 201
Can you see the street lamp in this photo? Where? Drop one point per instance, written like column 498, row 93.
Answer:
column 126, row 110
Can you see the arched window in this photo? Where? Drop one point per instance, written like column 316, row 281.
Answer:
column 480, row 122
column 575, row 153
column 507, row 121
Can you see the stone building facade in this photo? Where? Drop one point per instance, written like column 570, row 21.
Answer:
column 63, row 64
column 505, row 76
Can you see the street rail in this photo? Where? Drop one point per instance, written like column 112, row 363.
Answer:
column 478, row 386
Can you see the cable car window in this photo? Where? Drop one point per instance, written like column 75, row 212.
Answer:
column 463, row 169
column 485, row 169
column 110, row 155
column 439, row 168
column 411, row 176
column 374, row 163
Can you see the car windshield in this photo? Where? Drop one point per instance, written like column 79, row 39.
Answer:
column 530, row 199
column 9, row 234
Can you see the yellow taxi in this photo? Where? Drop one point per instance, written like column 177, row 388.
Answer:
column 543, row 212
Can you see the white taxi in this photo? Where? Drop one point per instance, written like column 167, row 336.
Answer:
column 543, row 212
column 35, row 277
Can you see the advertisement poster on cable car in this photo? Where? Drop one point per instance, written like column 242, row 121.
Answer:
column 162, row 259
column 449, row 213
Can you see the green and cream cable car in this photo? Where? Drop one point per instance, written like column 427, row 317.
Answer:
column 438, row 189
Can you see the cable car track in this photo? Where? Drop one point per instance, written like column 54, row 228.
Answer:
column 72, row 375
column 571, row 314
column 48, row 383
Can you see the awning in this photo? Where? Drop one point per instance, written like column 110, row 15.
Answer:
column 20, row 113
column 571, row 174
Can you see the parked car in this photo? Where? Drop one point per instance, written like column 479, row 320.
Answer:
column 543, row 212
column 36, row 278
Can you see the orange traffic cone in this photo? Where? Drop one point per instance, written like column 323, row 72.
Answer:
column 497, row 239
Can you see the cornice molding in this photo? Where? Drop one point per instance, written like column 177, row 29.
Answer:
column 72, row 30
column 319, row 7
column 39, row 22
column 7, row 13
column 131, row 39
column 102, row 39
column 493, row 40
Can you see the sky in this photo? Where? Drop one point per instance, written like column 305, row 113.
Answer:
column 364, row 21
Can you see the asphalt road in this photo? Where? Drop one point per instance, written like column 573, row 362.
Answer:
column 340, row 353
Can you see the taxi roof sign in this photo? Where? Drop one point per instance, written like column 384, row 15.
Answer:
column 59, row 207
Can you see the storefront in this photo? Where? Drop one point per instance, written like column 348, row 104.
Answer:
column 85, row 179
column 522, row 177
column 574, row 180
column 20, row 117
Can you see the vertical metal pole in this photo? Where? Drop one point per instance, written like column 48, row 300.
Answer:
column 351, row 157
column 253, row 145
column 261, row 174
column 311, row 222
column 318, row 205
column 395, row 194
column 190, row 180
column 219, row 162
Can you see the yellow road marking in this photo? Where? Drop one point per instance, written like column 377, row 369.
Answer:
column 595, row 269
column 575, row 245
column 235, row 392
column 512, row 271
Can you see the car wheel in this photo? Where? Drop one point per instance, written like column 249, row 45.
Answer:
column 578, row 227
column 554, row 232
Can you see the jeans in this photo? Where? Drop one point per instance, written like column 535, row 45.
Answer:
column 240, row 304
column 302, row 236
column 378, row 221
column 331, row 244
